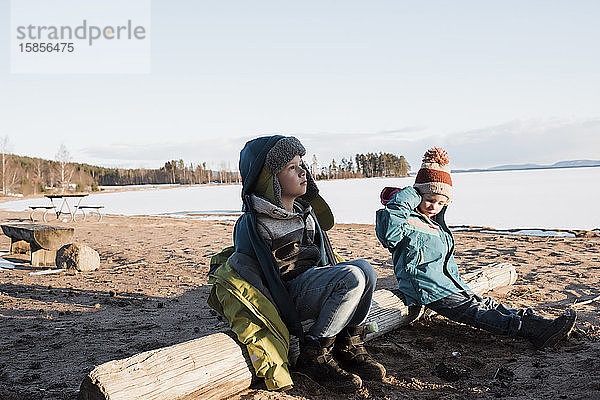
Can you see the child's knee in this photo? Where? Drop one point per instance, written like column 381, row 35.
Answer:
column 354, row 278
column 367, row 269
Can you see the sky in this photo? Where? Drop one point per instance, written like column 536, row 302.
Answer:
column 493, row 82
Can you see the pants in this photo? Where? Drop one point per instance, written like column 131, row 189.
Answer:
column 334, row 296
column 479, row 312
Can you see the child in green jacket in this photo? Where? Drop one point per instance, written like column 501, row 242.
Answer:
column 412, row 227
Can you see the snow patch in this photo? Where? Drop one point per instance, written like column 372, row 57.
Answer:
column 545, row 199
column 531, row 232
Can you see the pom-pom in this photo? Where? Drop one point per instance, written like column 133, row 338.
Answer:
column 436, row 155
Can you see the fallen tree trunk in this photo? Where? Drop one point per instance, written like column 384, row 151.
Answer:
column 217, row 366
column 211, row 367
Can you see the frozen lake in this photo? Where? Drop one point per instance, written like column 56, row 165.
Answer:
column 549, row 199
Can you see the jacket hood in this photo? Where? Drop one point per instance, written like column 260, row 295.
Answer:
column 252, row 160
column 257, row 179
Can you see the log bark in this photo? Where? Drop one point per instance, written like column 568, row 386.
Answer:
column 217, row 366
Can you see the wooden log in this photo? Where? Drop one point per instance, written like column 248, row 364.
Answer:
column 43, row 240
column 217, row 366
column 210, row 367
column 389, row 312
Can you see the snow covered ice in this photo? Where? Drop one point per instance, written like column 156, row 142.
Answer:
column 528, row 199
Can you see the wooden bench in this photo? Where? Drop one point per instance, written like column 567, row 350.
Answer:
column 43, row 240
column 45, row 208
column 95, row 208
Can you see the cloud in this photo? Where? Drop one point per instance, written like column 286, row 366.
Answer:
column 515, row 142
column 213, row 151
column 408, row 131
column 531, row 141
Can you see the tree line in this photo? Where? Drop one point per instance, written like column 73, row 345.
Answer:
column 173, row 172
column 31, row 175
column 363, row 166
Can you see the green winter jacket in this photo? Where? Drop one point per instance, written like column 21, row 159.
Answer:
column 422, row 249
column 253, row 318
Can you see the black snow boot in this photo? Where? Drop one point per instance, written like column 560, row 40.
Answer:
column 316, row 361
column 350, row 351
column 544, row 332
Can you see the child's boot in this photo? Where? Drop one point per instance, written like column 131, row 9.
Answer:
column 316, row 361
column 544, row 332
column 350, row 351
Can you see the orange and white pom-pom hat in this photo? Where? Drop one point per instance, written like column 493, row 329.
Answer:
column 434, row 175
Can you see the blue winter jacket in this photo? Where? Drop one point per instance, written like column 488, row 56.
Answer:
column 248, row 241
column 422, row 249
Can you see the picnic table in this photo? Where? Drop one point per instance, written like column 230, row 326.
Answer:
column 65, row 207
column 43, row 240
column 67, row 204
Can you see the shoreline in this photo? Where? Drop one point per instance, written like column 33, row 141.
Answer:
column 224, row 217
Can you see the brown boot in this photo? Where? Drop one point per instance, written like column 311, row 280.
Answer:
column 316, row 361
column 350, row 351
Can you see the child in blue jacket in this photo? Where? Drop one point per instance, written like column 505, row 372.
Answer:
column 412, row 227
column 283, row 229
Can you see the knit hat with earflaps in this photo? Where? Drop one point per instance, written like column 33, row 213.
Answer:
column 282, row 152
column 434, row 175
column 278, row 157
column 268, row 187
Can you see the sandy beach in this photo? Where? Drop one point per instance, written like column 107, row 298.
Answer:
column 151, row 292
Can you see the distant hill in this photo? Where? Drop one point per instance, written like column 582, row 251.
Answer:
column 517, row 167
column 576, row 163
